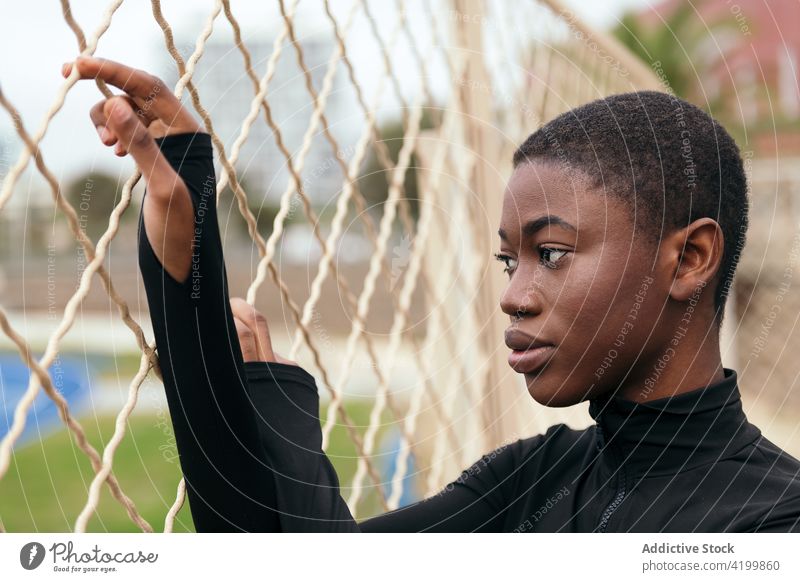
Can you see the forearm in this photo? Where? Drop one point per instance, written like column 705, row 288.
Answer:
column 306, row 483
column 307, row 486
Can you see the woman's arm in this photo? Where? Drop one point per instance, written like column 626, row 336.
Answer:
column 307, row 486
column 229, row 485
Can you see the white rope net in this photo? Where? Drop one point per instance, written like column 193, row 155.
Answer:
column 468, row 81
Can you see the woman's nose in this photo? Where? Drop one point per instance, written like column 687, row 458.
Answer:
column 520, row 298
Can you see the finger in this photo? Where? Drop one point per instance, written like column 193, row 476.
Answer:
column 135, row 82
column 247, row 341
column 257, row 324
column 154, row 95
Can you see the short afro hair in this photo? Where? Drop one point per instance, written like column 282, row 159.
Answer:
column 662, row 156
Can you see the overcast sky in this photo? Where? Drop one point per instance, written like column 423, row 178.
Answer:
column 35, row 41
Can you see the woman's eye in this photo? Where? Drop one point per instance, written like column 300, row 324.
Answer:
column 551, row 257
column 510, row 263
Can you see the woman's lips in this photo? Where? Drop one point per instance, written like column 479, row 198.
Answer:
column 530, row 360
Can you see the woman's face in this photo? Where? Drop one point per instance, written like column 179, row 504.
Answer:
column 581, row 278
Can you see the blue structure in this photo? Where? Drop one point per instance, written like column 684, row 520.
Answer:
column 390, row 449
column 69, row 377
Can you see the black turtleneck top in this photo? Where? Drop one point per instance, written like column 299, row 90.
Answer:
column 249, row 436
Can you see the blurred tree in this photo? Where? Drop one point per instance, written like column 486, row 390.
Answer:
column 94, row 195
column 230, row 217
column 374, row 180
column 672, row 44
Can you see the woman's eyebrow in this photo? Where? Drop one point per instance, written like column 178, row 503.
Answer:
column 533, row 226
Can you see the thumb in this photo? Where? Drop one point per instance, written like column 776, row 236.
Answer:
column 281, row 360
column 125, row 124
column 134, row 138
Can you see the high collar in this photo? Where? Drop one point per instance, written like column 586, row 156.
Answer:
column 672, row 434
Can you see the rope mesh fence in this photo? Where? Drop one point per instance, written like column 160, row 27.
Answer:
column 484, row 75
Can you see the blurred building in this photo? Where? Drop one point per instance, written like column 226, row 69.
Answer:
column 227, row 92
column 744, row 59
column 739, row 60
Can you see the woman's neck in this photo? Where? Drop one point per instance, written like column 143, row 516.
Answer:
column 687, row 366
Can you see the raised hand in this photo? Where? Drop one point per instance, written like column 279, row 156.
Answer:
column 130, row 122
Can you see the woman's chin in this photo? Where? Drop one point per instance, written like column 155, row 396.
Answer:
column 552, row 394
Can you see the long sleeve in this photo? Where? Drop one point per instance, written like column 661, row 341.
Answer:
column 307, row 487
column 229, row 486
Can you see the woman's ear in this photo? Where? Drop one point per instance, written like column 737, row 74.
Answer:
column 693, row 255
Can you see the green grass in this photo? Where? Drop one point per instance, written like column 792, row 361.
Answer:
column 48, row 481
